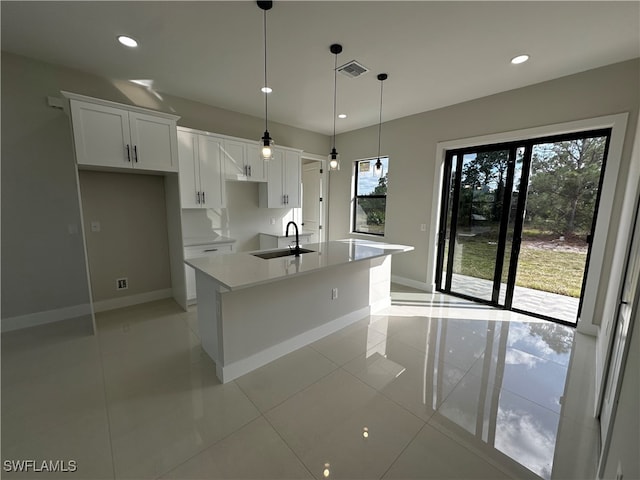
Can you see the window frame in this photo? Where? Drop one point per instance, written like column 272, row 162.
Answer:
column 356, row 197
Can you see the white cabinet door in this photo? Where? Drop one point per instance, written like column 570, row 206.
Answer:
column 235, row 159
column 292, row 178
column 242, row 161
column 189, row 170
column 283, row 186
column 272, row 193
column 152, row 138
column 101, row 135
column 212, row 179
column 202, row 180
column 256, row 164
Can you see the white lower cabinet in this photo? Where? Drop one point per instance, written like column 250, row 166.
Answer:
column 201, row 251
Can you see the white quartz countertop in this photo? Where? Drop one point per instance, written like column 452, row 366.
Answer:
column 241, row 270
column 206, row 240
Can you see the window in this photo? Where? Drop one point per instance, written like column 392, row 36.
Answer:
column 370, row 200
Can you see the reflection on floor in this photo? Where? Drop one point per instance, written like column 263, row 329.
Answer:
column 549, row 304
column 436, row 387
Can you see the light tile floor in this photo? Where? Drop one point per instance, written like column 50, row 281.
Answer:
column 434, row 387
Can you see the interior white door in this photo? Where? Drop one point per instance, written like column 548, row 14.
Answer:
column 629, row 301
column 311, row 204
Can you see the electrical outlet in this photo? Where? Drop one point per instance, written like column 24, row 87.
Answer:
column 423, row 227
column 122, row 283
column 272, row 220
column 334, row 293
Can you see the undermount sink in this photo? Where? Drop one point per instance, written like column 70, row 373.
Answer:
column 279, row 253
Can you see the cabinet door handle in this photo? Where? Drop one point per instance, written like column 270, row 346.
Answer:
column 211, row 250
column 203, row 198
column 128, row 153
column 246, row 174
column 249, row 170
column 198, row 197
column 135, row 152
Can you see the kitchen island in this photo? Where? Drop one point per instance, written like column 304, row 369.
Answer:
column 252, row 310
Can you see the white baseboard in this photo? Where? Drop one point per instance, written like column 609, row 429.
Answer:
column 113, row 303
column 40, row 318
column 236, row 369
column 407, row 282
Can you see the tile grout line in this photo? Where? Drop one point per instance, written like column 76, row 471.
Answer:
column 106, row 399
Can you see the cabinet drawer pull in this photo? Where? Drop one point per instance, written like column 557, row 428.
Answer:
column 211, row 250
column 135, row 152
column 128, row 153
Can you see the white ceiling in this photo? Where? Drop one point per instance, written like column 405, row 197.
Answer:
column 436, row 53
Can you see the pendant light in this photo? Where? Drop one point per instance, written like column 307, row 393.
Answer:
column 266, row 141
column 378, row 167
column 334, row 157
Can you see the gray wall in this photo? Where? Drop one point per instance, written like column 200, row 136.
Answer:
column 133, row 239
column 411, row 144
column 43, row 265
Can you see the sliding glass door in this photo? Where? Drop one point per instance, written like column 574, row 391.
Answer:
column 516, row 222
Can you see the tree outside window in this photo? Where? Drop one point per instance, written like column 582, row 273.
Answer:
column 370, row 200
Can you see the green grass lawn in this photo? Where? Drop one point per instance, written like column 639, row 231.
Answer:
column 545, row 270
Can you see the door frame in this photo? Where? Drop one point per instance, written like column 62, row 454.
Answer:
column 588, row 322
column 324, row 192
column 528, row 147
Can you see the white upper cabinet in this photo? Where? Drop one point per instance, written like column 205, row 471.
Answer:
column 202, row 179
column 243, row 161
column 283, row 189
column 108, row 134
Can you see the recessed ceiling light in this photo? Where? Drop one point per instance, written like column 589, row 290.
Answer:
column 519, row 59
column 342, row 115
column 266, row 90
column 128, row 41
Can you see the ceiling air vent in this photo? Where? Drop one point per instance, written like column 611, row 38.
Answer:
column 353, row 69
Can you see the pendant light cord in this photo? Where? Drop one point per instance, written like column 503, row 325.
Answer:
column 265, row 71
column 335, row 90
column 380, row 122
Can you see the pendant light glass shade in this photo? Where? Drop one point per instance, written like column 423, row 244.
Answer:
column 334, row 160
column 266, row 141
column 334, row 157
column 378, row 168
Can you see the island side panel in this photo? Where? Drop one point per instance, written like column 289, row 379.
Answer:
column 209, row 324
column 264, row 322
column 380, row 283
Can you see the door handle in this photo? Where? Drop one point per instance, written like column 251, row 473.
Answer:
column 198, row 198
column 135, row 153
column 128, row 153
